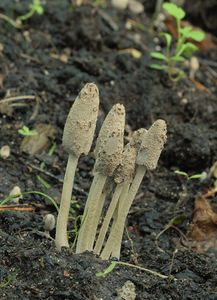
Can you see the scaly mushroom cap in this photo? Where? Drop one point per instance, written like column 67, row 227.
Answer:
column 125, row 171
column 109, row 145
column 152, row 145
column 81, row 121
column 137, row 137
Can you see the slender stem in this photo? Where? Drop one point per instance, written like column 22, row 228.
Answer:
column 88, row 230
column 10, row 21
column 27, row 15
column 61, row 239
column 11, row 99
column 113, row 244
column 107, row 219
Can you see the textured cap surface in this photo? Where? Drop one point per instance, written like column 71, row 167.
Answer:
column 109, row 145
column 137, row 137
column 125, row 171
column 152, row 145
column 81, row 121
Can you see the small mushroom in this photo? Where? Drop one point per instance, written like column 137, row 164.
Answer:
column 108, row 153
column 123, row 177
column 77, row 139
column 49, row 223
column 152, row 144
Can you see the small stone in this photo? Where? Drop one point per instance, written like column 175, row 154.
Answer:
column 184, row 101
column 120, row 4
column 16, row 194
column 127, row 292
column 5, row 152
column 135, row 7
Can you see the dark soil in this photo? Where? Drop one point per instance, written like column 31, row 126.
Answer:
column 30, row 267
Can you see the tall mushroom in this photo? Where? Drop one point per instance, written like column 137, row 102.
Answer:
column 77, row 139
column 108, row 153
column 147, row 158
column 123, row 177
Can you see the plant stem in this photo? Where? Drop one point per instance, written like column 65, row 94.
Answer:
column 10, row 21
column 61, row 239
column 92, row 209
column 113, row 244
column 107, row 219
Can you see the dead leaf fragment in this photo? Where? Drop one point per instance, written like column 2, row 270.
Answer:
column 39, row 142
column 202, row 232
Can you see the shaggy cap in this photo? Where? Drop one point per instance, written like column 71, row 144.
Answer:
column 125, row 171
column 152, row 145
column 81, row 121
column 137, row 138
column 109, row 145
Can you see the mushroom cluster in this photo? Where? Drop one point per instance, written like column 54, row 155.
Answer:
column 118, row 172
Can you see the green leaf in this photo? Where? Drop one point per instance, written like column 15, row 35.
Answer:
column 157, row 67
column 107, row 270
column 178, row 58
column 187, row 49
column 174, row 10
column 168, row 38
column 158, row 55
column 181, row 173
column 197, row 35
column 185, row 31
column 196, row 176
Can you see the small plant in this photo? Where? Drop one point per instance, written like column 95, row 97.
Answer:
column 174, row 57
column 34, row 8
column 25, row 131
column 190, row 177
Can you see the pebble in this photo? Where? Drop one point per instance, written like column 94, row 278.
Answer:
column 120, row 4
column 5, row 152
column 135, row 7
column 16, row 191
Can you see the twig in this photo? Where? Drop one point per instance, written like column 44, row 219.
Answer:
column 143, row 269
column 17, row 98
column 16, row 208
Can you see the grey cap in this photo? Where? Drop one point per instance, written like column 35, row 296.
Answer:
column 125, row 171
column 152, row 145
column 109, row 145
column 81, row 121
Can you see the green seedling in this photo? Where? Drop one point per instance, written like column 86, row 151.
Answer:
column 194, row 176
column 10, row 279
column 25, row 131
column 174, row 57
column 34, row 8
column 9, row 198
column 108, row 270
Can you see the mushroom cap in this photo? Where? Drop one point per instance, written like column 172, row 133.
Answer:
column 109, row 145
column 137, row 137
column 152, row 145
column 81, row 121
column 125, row 171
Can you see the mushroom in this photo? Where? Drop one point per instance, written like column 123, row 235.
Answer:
column 152, row 144
column 77, row 139
column 123, row 177
column 108, row 151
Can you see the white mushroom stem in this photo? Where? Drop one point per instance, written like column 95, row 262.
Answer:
column 61, row 239
column 107, row 219
column 88, row 229
column 113, row 244
column 77, row 139
column 152, row 144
